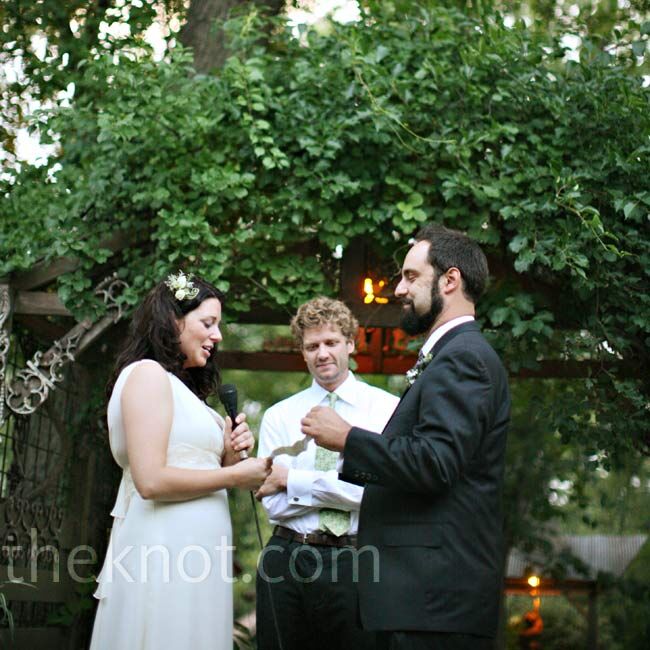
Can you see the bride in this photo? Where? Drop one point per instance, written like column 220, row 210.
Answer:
column 166, row 580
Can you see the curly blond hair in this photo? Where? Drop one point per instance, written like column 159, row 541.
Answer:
column 324, row 311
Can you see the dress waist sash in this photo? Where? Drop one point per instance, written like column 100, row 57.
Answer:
column 183, row 456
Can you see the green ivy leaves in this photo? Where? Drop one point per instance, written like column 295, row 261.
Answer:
column 254, row 176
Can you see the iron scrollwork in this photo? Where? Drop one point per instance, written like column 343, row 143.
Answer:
column 109, row 291
column 29, row 527
column 5, row 308
column 32, row 385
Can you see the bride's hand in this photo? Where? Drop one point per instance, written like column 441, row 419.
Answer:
column 251, row 473
column 237, row 440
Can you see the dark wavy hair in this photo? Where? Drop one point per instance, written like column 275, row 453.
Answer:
column 153, row 334
column 453, row 248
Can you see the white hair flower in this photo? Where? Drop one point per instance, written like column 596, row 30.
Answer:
column 182, row 286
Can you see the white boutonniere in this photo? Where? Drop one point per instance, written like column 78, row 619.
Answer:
column 181, row 286
column 417, row 369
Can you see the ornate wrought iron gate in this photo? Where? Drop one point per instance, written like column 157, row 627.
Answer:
column 57, row 481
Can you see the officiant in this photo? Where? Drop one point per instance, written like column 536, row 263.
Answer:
column 306, row 574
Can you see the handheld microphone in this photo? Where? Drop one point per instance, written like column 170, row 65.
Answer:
column 228, row 397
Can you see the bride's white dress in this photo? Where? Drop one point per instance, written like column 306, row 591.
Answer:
column 166, row 580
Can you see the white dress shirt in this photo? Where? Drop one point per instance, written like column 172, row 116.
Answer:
column 439, row 332
column 308, row 490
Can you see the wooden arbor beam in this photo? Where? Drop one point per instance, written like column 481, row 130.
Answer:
column 398, row 364
column 45, row 303
column 43, row 273
column 39, row 303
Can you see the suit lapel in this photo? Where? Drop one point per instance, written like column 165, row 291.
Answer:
column 470, row 326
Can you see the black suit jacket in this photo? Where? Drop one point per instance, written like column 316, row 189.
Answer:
column 432, row 503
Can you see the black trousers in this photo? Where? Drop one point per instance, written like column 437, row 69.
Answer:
column 432, row 641
column 312, row 589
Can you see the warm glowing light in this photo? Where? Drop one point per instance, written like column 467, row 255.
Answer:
column 369, row 291
column 534, row 581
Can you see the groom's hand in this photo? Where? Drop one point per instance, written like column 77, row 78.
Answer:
column 326, row 427
column 275, row 482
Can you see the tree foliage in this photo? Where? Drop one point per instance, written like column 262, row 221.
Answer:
column 252, row 178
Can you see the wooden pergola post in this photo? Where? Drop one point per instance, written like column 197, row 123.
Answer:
column 592, row 619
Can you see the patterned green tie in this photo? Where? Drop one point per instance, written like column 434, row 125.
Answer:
column 330, row 520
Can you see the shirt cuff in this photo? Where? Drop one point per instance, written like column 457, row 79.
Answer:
column 299, row 483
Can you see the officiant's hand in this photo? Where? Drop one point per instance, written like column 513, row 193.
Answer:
column 236, row 440
column 275, row 482
column 326, row 427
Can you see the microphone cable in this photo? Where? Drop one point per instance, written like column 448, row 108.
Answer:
column 228, row 397
column 274, row 615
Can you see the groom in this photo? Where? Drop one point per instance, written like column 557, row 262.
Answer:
column 432, row 502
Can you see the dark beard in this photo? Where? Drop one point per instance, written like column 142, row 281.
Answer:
column 413, row 323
